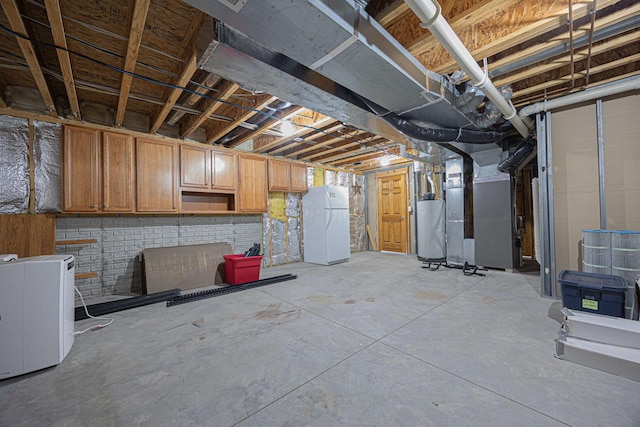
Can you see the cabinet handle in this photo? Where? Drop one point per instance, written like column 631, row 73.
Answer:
column 94, row 206
column 106, row 206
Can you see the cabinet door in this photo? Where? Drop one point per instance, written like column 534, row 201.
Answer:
column 81, row 170
column 279, row 175
column 156, row 179
column 117, row 172
column 298, row 177
column 252, row 183
column 194, row 166
column 223, row 170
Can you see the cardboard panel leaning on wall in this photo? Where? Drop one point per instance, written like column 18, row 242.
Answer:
column 14, row 165
column 575, row 181
column 622, row 162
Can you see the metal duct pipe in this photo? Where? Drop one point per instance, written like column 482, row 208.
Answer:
column 429, row 13
column 624, row 85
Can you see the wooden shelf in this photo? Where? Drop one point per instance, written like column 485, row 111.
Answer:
column 86, row 275
column 205, row 202
column 76, row 242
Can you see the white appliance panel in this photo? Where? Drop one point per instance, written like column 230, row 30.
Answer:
column 325, row 221
column 36, row 313
column 11, row 320
column 338, row 236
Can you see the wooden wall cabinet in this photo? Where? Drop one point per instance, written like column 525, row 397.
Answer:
column 157, row 170
column 287, row 176
column 98, row 171
column 207, row 180
column 298, row 177
column 252, row 184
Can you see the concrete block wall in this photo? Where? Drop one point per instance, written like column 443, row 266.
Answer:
column 120, row 240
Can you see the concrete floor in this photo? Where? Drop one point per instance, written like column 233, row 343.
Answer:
column 377, row 341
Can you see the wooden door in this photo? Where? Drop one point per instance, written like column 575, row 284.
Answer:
column 118, row 168
column 279, row 175
column 223, row 170
column 156, row 179
column 524, row 209
column 194, row 166
column 392, row 210
column 298, row 177
column 81, row 170
column 252, row 184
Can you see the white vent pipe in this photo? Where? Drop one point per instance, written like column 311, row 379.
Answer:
column 428, row 11
column 624, row 85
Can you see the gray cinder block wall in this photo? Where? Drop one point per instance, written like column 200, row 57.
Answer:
column 120, row 240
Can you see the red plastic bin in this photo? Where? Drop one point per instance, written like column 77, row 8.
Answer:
column 239, row 269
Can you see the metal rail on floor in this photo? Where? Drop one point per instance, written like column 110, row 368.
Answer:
column 210, row 293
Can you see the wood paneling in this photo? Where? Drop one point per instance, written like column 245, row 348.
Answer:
column 157, row 167
column 28, row 235
column 252, row 183
column 81, row 170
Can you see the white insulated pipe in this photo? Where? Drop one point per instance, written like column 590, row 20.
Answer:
column 429, row 14
column 624, row 85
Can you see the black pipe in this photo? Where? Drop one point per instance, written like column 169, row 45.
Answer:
column 124, row 304
column 521, row 152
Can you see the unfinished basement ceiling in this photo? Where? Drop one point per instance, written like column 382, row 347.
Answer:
column 127, row 64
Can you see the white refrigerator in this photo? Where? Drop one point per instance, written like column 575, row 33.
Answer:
column 325, row 230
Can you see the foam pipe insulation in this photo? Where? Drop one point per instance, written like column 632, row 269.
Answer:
column 14, row 165
column 47, row 157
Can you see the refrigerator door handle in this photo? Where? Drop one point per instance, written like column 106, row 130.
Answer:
column 329, row 218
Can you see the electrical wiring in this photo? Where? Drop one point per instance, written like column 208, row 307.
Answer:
column 172, row 86
column 99, row 326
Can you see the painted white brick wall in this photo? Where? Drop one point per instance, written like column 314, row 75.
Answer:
column 121, row 239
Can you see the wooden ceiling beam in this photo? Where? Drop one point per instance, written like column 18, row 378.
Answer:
column 578, row 75
column 298, row 134
column 346, row 138
column 186, row 50
column 285, row 114
column 313, row 136
column 458, row 23
column 600, row 24
column 366, row 154
column 564, row 60
column 223, row 128
column 140, row 10
column 392, row 13
column 174, row 94
column 225, row 90
column 59, row 38
column 372, row 142
column 488, row 45
column 17, row 25
column 341, row 150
